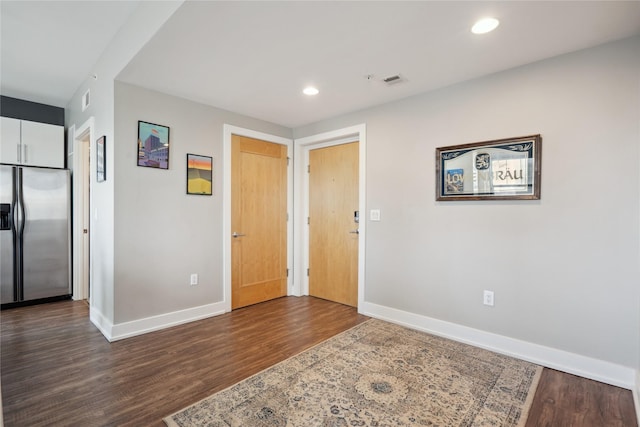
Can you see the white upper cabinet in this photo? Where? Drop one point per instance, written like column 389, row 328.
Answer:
column 9, row 140
column 31, row 143
column 43, row 144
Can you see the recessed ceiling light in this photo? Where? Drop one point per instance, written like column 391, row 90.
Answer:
column 310, row 91
column 485, row 25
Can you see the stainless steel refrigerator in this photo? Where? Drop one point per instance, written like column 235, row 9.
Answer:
column 35, row 234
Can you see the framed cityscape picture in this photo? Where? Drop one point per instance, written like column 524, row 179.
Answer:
column 153, row 145
column 199, row 175
column 502, row 169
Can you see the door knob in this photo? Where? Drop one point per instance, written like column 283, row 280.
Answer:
column 236, row 234
column 356, row 231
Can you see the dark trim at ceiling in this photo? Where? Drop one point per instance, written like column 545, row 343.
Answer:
column 32, row 111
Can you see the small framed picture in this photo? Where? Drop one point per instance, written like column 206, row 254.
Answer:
column 101, row 159
column 199, row 175
column 153, row 145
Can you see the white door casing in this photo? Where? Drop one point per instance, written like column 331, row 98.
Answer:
column 229, row 130
column 82, row 138
column 301, row 202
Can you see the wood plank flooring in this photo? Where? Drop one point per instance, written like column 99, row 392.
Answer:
column 58, row 370
column 569, row 401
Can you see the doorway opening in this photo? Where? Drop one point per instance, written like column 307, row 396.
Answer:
column 302, row 237
column 81, row 211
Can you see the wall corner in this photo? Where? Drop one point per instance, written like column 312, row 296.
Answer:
column 636, row 395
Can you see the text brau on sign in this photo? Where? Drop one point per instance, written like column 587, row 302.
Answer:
column 508, row 174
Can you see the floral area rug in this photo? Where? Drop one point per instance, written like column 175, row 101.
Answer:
column 376, row 374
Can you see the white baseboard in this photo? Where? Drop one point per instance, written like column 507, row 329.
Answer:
column 598, row 370
column 100, row 322
column 119, row 331
column 636, row 396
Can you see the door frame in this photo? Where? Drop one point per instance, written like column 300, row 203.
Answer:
column 228, row 131
column 302, row 146
column 76, row 140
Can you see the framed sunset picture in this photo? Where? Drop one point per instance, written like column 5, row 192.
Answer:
column 199, row 175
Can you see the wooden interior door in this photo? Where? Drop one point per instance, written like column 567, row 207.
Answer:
column 333, row 232
column 258, row 221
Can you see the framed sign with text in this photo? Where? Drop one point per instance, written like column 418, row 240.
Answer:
column 502, row 169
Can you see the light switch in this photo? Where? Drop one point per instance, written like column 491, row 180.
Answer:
column 374, row 214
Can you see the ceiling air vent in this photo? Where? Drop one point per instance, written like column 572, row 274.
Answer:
column 392, row 79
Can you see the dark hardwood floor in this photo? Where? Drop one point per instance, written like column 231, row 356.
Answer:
column 58, row 370
column 566, row 400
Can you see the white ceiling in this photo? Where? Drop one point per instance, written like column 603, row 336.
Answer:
column 48, row 48
column 255, row 58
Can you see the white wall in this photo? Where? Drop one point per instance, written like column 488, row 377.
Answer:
column 564, row 269
column 142, row 25
column 636, row 393
column 162, row 235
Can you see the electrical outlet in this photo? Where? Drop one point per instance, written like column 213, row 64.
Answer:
column 194, row 279
column 488, row 298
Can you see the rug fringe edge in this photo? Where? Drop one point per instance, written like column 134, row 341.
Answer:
column 529, row 401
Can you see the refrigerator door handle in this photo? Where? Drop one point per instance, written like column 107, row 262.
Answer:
column 20, row 212
column 14, row 218
column 14, row 202
column 19, row 230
